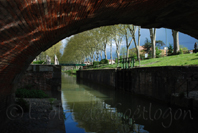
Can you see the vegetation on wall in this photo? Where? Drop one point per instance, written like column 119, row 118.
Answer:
column 26, row 93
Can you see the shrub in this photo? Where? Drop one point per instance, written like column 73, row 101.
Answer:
column 180, row 51
column 158, row 52
column 25, row 93
column 38, row 62
column 170, row 49
column 116, row 60
column 95, row 63
column 104, row 61
column 142, row 56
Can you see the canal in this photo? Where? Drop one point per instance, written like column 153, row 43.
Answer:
column 95, row 108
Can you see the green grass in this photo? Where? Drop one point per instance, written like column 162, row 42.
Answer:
column 71, row 71
column 174, row 60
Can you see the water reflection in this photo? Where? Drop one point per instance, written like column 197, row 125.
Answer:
column 94, row 108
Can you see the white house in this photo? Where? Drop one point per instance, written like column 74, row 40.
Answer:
column 87, row 63
column 113, row 61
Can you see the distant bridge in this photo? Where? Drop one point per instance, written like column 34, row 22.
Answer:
column 62, row 64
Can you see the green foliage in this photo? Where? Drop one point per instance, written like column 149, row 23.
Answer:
column 38, row 62
column 51, row 100
column 159, row 43
column 132, row 52
column 123, row 52
column 170, row 49
column 116, row 60
column 24, row 104
column 158, row 52
column 147, row 45
column 180, row 51
column 25, row 93
column 142, row 56
column 104, row 61
column 183, row 49
column 96, row 63
column 71, row 71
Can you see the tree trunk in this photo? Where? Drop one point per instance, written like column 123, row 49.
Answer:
column 105, row 51
column 101, row 54
column 153, row 36
column 118, row 56
column 111, row 52
column 127, row 56
column 127, row 45
column 138, row 46
column 176, row 41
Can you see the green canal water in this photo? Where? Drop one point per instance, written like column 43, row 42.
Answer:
column 92, row 108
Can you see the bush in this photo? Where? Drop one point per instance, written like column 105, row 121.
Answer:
column 25, row 93
column 116, row 60
column 142, row 56
column 158, row 52
column 180, row 51
column 104, row 61
column 170, row 49
column 38, row 62
column 95, row 63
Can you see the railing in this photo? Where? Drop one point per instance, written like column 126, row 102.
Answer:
column 64, row 64
column 127, row 63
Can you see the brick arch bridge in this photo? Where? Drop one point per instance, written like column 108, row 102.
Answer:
column 28, row 27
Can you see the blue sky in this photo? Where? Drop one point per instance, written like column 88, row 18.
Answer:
column 184, row 39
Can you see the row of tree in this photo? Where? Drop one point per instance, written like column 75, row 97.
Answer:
column 89, row 45
column 54, row 50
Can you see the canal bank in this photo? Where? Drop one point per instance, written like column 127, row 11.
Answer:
column 168, row 84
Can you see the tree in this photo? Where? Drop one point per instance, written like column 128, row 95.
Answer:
column 132, row 31
column 153, row 36
column 147, row 45
column 117, row 37
column 159, row 43
column 106, row 35
column 54, row 50
column 175, row 35
column 123, row 52
column 125, row 31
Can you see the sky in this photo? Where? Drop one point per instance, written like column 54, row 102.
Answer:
column 184, row 39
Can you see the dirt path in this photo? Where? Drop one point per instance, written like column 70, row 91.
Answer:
column 150, row 63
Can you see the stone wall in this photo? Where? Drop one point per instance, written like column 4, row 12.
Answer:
column 104, row 76
column 43, row 77
column 155, row 82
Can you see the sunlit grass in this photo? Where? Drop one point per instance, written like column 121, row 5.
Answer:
column 174, row 60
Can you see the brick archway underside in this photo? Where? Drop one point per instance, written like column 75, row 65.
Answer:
column 28, row 27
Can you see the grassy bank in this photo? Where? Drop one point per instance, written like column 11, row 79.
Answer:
column 71, row 72
column 174, row 60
